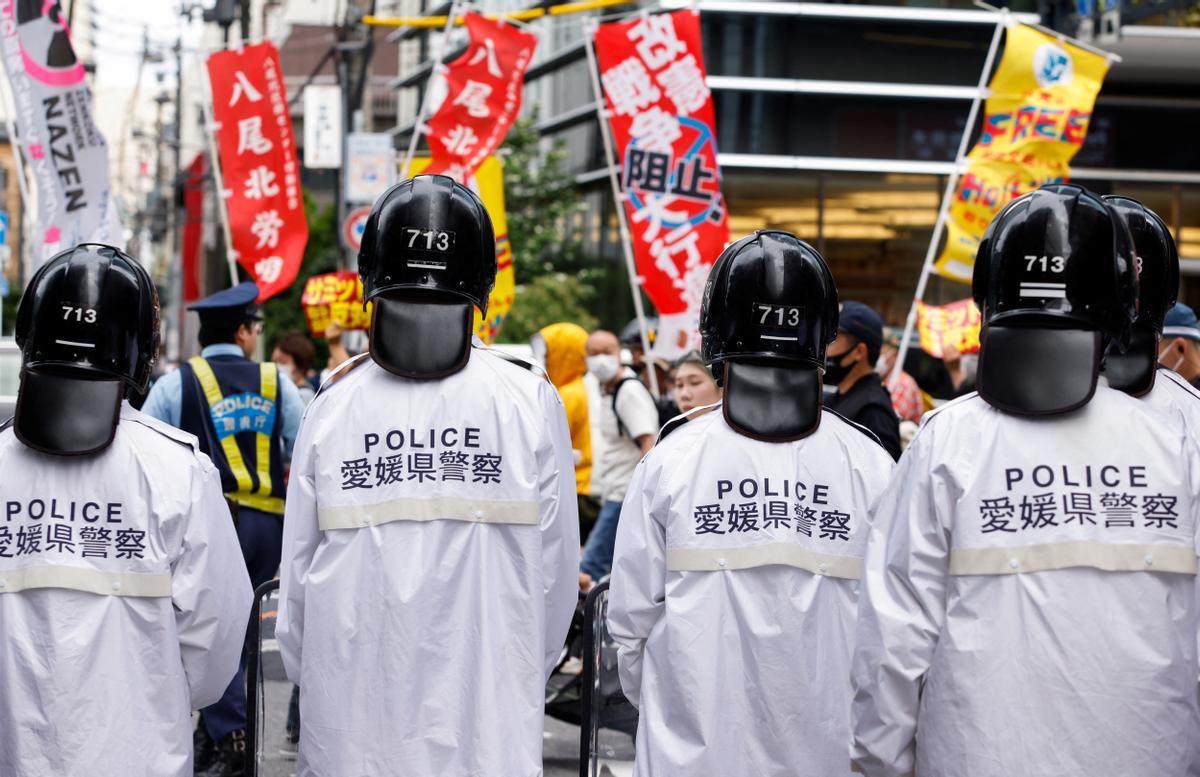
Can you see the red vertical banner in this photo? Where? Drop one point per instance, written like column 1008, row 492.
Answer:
column 664, row 128
column 483, row 97
column 193, row 226
column 258, row 165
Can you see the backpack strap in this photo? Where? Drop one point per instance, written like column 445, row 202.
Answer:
column 621, row 430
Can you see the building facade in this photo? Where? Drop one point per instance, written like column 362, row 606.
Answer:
column 840, row 122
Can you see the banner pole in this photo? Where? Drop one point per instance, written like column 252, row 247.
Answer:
column 222, row 206
column 619, row 201
column 17, row 144
column 1060, row 37
column 435, row 71
column 939, row 226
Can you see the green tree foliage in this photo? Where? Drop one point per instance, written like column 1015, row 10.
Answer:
column 555, row 281
column 544, row 300
column 283, row 313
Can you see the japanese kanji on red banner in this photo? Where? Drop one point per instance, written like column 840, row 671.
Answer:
column 336, row 298
column 258, row 164
column 483, row 98
column 661, row 113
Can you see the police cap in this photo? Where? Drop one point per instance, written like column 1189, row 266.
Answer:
column 235, row 304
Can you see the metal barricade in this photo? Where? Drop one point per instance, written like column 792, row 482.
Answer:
column 256, row 699
column 609, row 720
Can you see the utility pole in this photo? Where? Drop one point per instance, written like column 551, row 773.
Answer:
column 354, row 48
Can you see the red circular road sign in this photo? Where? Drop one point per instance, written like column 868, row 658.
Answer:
column 352, row 229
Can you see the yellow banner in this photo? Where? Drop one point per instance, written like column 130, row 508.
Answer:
column 954, row 324
column 1036, row 117
column 488, row 183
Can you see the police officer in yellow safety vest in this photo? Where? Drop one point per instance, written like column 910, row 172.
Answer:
column 246, row 416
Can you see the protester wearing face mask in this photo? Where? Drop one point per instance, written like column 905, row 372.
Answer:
column 906, row 394
column 629, row 424
column 850, row 368
column 1180, row 348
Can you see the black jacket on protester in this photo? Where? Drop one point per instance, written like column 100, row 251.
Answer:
column 869, row 405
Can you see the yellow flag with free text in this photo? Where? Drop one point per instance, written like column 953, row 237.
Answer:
column 1036, row 117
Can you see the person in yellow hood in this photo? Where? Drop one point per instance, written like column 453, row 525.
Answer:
column 561, row 348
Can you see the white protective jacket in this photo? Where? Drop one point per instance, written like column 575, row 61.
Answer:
column 1175, row 397
column 123, row 604
column 1030, row 604
column 734, row 588
column 430, row 571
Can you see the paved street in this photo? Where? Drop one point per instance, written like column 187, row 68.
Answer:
column 278, row 758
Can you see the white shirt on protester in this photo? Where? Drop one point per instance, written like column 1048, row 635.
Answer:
column 639, row 416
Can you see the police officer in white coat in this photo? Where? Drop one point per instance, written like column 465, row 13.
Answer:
column 1030, row 603
column 1136, row 371
column 123, row 596
column 740, row 546
column 431, row 542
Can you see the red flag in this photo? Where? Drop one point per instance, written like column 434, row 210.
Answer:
column 483, row 98
column 258, row 165
column 664, row 127
column 193, row 223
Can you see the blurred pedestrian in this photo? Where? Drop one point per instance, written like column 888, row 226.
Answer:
column 295, row 355
column 694, row 387
column 907, row 398
column 961, row 367
column 644, row 365
column 123, row 597
column 1180, row 349
column 629, row 424
column 859, row 394
column 562, row 350
column 246, row 416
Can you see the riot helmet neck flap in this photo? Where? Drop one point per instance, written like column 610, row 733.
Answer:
column 87, row 327
column 1055, row 281
column 770, row 310
column 428, row 259
column 1157, row 264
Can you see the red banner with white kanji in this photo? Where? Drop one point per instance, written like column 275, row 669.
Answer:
column 258, row 165
column 483, row 98
column 193, row 225
column 664, row 127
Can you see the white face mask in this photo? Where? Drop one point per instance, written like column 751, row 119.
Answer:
column 604, row 366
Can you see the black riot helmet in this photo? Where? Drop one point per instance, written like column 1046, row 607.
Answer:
column 1133, row 370
column 87, row 327
column 428, row 258
column 1055, row 281
column 770, row 310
